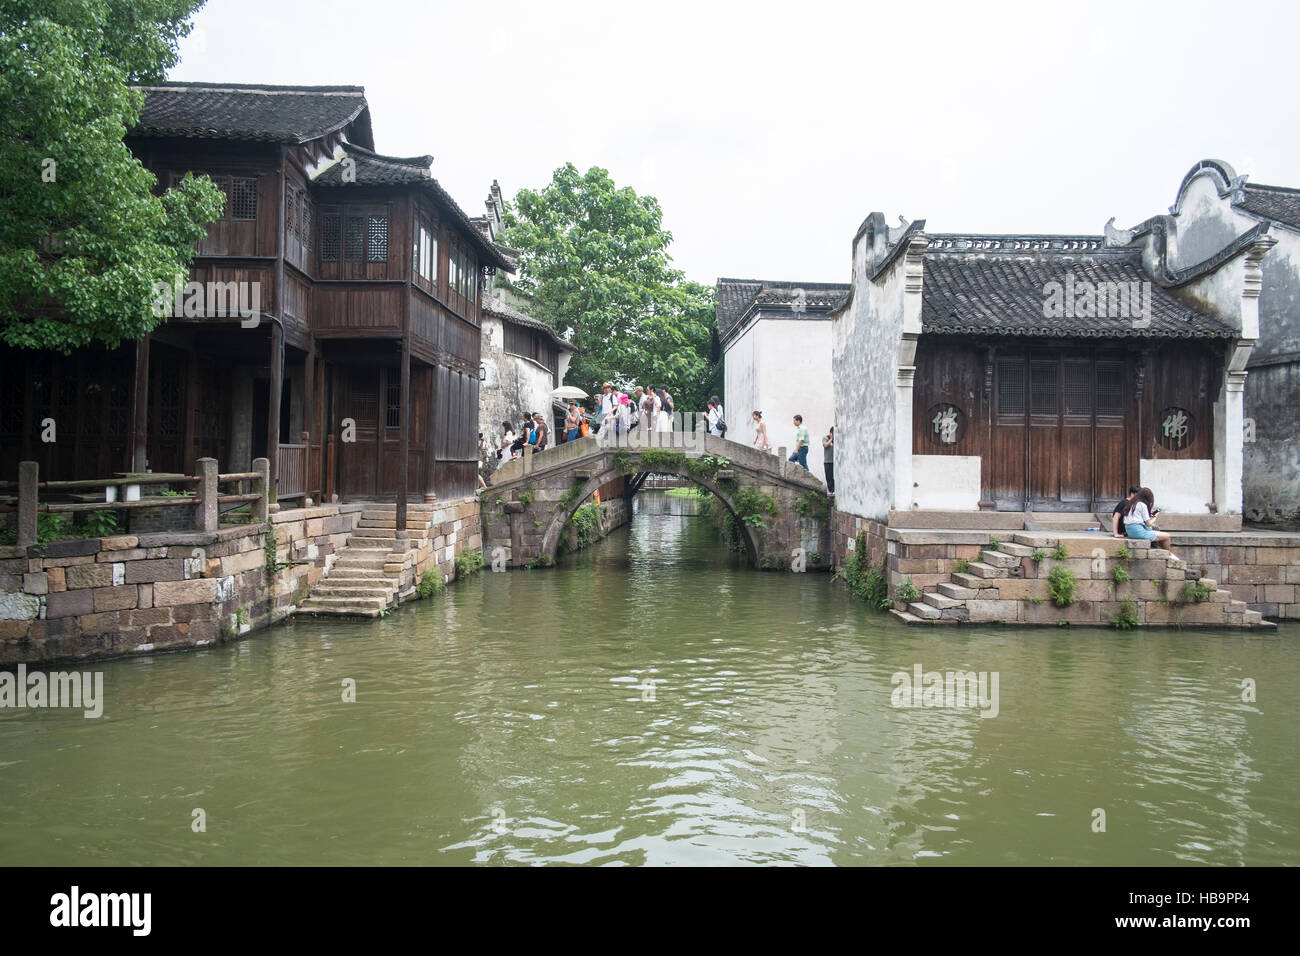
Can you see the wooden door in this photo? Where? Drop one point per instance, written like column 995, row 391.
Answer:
column 1059, row 427
column 357, row 399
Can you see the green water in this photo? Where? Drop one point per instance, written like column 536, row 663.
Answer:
column 505, row 721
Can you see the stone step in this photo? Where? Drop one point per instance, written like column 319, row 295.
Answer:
column 360, row 574
column 957, row 592
column 969, row 582
column 375, row 524
column 1018, row 550
column 348, row 591
column 940, row 601
column 921, row 609
column 982, row 570
column 1210, row 583
column 905, row 617
column 351, row 563
column 1000, row 560
column 1253, row 617
column 385, row 544
column 336, row 610
column 1235, row 606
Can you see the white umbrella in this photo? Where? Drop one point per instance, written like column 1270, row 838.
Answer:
column 568, row 391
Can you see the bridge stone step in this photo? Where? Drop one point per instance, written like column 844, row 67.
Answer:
column 957, row 592
column 343, row 590
column 982, row 570
column 971, row 582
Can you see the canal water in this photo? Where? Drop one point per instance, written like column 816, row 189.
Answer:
column 652, row 701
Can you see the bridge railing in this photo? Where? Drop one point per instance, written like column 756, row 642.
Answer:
column 694, row 441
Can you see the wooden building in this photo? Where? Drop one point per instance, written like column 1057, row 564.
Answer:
column 354, row 363
column 1042, row 374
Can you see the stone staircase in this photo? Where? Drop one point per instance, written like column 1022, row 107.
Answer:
column 1006, row 585
column 365, row 577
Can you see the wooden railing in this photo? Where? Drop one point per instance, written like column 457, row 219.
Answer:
column 292, row 480
column 205, row 500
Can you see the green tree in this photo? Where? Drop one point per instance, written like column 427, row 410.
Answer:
column 596, row 264
column 83, row 237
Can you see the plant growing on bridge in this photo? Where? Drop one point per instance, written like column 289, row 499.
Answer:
column 1193, row 592
column 526, row 499
column 1123, row 553
column 1120, row 574
column 1060, row 554
column 962, row 566
column 706, row 467
column 661, row 459
column 1038, row 556
column 1061, row 583
column 813, row 504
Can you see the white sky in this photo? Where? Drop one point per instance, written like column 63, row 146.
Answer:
column 768, row 132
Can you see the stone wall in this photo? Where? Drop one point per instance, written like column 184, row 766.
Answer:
column 104, row 597
column 454, row 528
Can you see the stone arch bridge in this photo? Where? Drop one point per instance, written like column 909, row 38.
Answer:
column 782, row 510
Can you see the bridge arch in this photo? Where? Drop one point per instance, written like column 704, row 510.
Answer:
column 555, row 528
column 532, row 499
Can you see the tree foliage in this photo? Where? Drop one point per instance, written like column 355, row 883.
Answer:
column 83, row 237
column 596, row 264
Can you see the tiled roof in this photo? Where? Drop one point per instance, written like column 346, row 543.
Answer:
column 373, row 169
column 509, row 314
column 1001, row 292
column 1272, row 202
column 735, row 297
column 274, row 114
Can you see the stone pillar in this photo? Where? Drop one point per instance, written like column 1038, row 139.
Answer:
column 29, row 475
column 261, row 486
column 1229, row 453
column 205, row 511
column 276, row 390
column 903, row 438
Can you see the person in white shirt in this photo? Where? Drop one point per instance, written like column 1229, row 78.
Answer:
column 715, row 417
column 608, row 404
column 1139, row 521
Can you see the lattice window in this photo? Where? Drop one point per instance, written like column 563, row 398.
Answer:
column 377, row 239
column 1011, row 388
column 291, row 213
column 243, row 198
column 1043, row 388
column 331, row 223
column 1110, row 389
column 354, row 239
column 1078, row 388
column 393, row 404
column 304, row 219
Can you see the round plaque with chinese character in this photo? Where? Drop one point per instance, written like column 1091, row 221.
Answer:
column 1175, row 429
column 945, row 424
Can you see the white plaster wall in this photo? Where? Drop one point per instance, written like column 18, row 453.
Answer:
column 946, row 482
column 795, row 378
column 740, row 388
column 513, row 385
column 865, row 350
column 1181, row 485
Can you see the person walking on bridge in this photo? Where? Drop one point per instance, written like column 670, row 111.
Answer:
column 801, row 441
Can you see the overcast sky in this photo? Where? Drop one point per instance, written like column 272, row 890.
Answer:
column 769, row 132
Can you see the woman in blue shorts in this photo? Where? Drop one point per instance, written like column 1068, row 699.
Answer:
column 1138, row 521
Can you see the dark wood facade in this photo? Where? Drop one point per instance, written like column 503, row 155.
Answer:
column 359, row 377
column 1062, row 425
